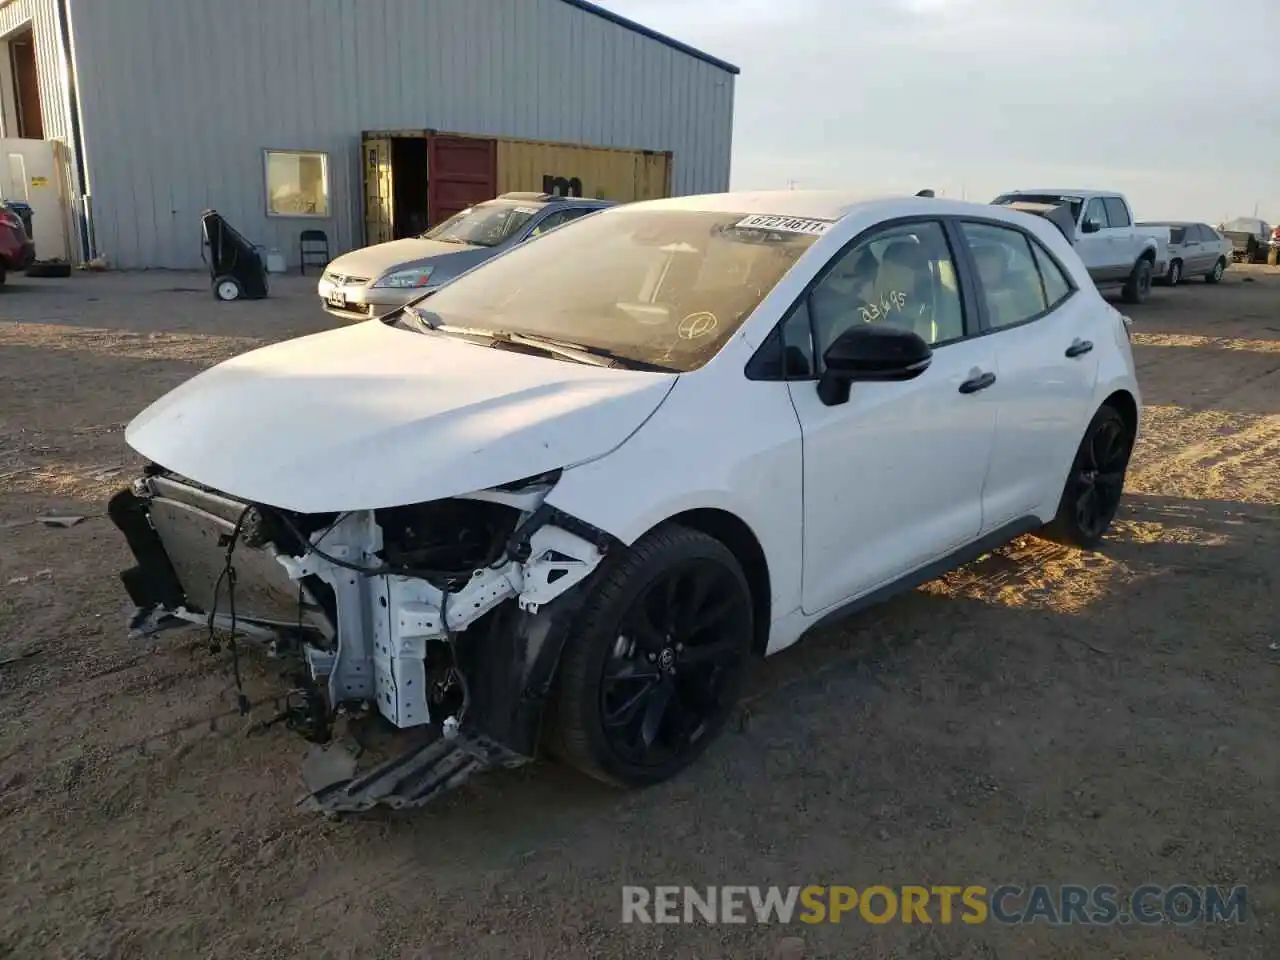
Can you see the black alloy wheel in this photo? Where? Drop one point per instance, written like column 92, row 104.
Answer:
column 1095, row 486
column 658, row 660
column 678, row 649
column 1100, row 478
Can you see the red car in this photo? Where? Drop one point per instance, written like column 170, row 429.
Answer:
column 17, row 251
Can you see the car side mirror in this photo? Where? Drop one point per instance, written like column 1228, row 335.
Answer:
column 869, row 352
column 1090, row 226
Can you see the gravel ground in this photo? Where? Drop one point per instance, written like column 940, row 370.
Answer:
column 1043, row 715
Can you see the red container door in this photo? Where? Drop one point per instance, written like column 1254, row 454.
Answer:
column 461, row 171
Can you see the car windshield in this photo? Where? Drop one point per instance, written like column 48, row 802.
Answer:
column 1075, row 203
column 485, row 224
column 660, row 287
column 1242, row 225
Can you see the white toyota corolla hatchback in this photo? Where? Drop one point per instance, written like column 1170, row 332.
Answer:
column 566, row 499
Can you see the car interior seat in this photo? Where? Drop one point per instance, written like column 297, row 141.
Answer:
column 905, row 270
column 837, row 301
column 1011, row 284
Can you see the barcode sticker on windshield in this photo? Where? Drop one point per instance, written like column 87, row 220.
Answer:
column 528, row 210
column 764, row 221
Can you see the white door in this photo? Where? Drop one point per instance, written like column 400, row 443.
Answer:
column 1097, row 249
column 1047, row 339
column 31, row 173
column 1126, row 241
column 893, row 476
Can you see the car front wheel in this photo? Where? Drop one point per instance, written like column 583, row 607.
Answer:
column 1092, row 493
column 1215, row 275
column 656, row 659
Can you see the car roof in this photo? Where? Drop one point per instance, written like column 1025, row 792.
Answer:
column 1069, row 191
column 820, row 204
column 548, row 199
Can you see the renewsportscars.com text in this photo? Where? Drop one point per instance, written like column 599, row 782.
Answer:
column 972, row 904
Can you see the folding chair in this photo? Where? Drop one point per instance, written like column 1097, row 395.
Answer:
column 312, row 244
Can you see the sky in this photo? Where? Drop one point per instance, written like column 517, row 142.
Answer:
column 1175, row 103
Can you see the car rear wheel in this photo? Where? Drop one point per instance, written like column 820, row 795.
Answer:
column 1215, row 275
column 1138, row 287
column 656, row 659
column 1175, row 273
column 1095, row 484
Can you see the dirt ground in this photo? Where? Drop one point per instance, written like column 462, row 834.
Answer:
column 1042, row 716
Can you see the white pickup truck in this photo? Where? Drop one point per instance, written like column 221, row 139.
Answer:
column 1101, row 226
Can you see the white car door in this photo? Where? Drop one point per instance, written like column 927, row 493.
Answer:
column 1047, row 337
column 1126, row 241
column 893, row 475
column 1097, row 249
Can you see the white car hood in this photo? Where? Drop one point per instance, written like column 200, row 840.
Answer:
column 373, row 416
column 374, row 261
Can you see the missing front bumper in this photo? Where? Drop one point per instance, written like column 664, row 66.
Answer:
column 364, row 635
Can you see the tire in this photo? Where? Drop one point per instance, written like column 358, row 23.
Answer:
column 58, row 269
column 1070, row 527
column 3, row 273
column 1215, row 275
column 1175, row 274
column 1138, row 287
column 227, row 289
column 590, row 716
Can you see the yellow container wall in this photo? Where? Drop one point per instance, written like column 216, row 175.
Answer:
column 609, row 174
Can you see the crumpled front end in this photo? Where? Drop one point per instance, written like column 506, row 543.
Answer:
column 446, row 615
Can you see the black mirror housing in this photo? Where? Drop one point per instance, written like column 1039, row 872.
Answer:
column 1090, row 226
column 870, row 352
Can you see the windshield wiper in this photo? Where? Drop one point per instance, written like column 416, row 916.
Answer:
column 423, row 318
column 600, row 356
column 570, row 351
column 578, row 352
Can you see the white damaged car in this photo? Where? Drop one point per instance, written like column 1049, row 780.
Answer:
column 567, row 498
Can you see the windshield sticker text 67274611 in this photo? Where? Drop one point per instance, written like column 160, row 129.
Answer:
column 766, row 221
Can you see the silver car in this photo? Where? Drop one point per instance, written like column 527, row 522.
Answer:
column 374, row 280
column 1195, row 250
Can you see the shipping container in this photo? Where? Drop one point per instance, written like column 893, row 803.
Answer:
column 415, row 179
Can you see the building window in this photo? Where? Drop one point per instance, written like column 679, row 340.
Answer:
column 297, row 183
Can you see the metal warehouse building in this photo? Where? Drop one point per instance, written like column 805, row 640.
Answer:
column 123, row 120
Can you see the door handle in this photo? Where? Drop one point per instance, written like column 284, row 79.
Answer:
column 977, row 383
column 1079, row 348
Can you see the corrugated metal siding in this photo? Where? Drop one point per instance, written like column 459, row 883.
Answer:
column 42, row 16
column 610, row 174
column 180, row 99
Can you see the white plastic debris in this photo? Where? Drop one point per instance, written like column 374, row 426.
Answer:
column 70, row 521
